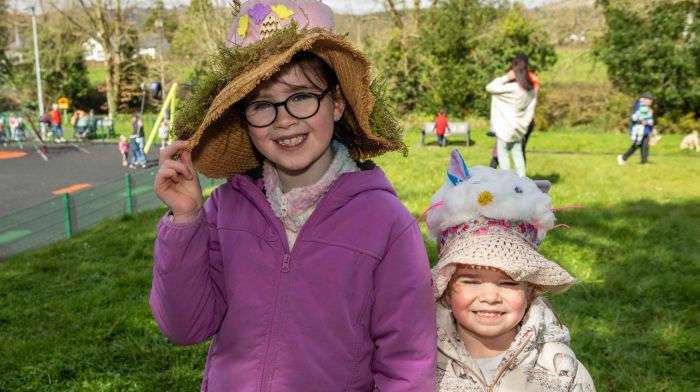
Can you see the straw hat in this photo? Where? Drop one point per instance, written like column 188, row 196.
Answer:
column 264, row 36
column 493, row 219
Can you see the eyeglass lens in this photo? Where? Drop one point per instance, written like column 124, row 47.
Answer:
column 300, row 105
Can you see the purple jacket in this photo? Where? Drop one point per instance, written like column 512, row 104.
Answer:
column 350, row 308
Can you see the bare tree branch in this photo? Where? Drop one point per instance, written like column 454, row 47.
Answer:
column 390, row 6
column 416, row 15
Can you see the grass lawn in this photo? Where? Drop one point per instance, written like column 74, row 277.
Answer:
column 575, row 65
column 74, row 315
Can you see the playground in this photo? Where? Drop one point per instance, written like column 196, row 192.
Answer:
column 31, row 176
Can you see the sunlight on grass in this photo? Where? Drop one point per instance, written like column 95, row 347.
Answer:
column 75, row 316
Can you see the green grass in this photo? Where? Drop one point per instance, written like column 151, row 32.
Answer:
column 575, row 65
column 74, row 315
column 96, row 74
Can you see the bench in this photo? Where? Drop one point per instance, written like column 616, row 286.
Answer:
column 455, row 128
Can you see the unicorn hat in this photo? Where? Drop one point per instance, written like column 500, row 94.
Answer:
column 488, row 218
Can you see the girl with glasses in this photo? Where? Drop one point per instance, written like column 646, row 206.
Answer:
column 304, row 267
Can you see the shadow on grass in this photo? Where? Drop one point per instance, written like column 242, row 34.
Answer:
column 75, row 316
column 552, row 177
column 454, row 141
column 635, row 315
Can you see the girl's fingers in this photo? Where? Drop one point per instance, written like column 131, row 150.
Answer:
column 186, row 159
column 175, row 148
column 179, row 167
column 169, row 174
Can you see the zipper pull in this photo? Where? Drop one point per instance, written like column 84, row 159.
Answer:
column 285, row 263
column 283, row 206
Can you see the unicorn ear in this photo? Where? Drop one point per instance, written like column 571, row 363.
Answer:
column 544, row 185
column 457, row 170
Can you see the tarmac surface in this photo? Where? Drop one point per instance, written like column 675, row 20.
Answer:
column 30, row 178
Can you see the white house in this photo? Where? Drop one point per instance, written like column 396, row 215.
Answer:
column 93, row 50
column 149, row 47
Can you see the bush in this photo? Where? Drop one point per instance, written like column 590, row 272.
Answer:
column 683, row 125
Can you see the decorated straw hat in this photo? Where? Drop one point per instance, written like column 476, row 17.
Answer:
column 263, row 38
column 493, row 219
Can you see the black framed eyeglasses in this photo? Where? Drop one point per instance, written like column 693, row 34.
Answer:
column 300, row 106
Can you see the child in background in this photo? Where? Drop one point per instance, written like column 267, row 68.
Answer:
column 441, row 126
column 124, row 149
column 495, row 332
column 304, row 266
column 164, row 133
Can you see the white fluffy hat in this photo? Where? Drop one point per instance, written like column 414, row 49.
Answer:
column 492, row 218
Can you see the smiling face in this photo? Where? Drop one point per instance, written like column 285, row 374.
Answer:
column 300, row 149
column 488, row 307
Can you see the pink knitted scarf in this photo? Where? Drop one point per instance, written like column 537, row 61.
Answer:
column 295, row 206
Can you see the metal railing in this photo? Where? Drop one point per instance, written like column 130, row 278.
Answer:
column 63, row 216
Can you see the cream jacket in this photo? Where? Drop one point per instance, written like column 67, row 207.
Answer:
column 512, row 109
column 539, row 359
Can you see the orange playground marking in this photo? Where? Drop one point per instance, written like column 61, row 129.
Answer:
column 71, row 189
column 11, row 154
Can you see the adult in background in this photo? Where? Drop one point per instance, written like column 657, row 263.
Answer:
column 440, row 127
column 494, row 155
column 92, row 123
column 513, row 101
column 138, row 157
column 641, row 127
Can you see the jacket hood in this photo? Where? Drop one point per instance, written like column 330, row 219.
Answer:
column 540, row 325
column 370, row 178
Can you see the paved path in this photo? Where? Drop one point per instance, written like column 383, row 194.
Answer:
column 30, row 179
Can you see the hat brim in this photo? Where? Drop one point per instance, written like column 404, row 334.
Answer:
column 511, row 254
column 220, row 144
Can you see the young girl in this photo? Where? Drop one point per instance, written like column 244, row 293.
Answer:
column 513, row 100
column 495, row 333
column 304, row 266
column 164, row 133
column 124, row 149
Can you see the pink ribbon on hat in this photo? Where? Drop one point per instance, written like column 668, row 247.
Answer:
column 424, row 215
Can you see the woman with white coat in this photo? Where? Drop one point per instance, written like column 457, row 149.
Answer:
column 513, row 100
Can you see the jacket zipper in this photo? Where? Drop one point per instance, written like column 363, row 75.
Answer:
column 285, row 270
column 503, row 369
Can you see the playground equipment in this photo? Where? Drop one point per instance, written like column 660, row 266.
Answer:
column 169, row 103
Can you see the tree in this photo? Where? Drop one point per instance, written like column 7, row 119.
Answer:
column 132, row 71
column 104, row 21
column 162, row 20
column 63, row 69
column 202, row 30
column 5, row 65
column 459, row 47
column 656, row 50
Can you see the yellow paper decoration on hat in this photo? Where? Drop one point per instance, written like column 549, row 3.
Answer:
column 243, row 26
column 282, row 11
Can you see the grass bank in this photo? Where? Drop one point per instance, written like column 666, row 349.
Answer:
column 74, row 316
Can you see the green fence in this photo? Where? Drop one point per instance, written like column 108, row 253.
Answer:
column 63, row 216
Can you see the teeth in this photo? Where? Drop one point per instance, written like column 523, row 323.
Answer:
column 291, row 142
column 488, row 314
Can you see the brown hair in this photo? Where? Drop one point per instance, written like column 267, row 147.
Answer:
column 520, row 67
column 315, row 69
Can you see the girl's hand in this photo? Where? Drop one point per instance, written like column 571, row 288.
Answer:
column 510, row 75
column 177, row 183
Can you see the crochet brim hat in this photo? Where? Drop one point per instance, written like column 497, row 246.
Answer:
column 497, row 244
column 213, row 123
